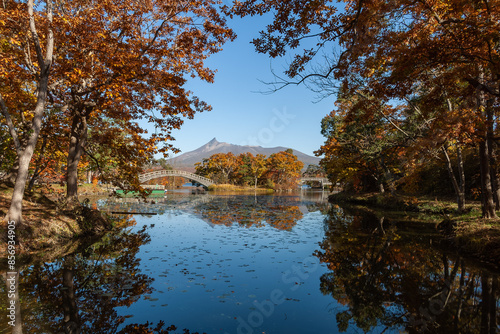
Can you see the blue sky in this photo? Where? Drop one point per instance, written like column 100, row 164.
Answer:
column 241, row 115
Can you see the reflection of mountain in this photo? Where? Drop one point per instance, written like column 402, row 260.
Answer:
column 188, row 159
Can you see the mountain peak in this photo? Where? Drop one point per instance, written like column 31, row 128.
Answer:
column 211, row 145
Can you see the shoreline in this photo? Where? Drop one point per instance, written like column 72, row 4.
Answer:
column 465, row 233
column 48, row 228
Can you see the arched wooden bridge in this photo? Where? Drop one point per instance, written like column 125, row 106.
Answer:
column 162, row 173
column 206, row 181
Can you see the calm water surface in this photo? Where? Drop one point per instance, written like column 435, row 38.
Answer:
column 257, row 264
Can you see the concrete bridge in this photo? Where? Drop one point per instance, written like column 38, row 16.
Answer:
column 324, row 181
column 162, row 173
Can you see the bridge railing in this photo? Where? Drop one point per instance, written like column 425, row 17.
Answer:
column 323, row 180
column 156, row 174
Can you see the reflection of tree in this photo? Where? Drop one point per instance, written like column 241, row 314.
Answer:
column 71, row 320
column 79, row 293
column 395, row 281
column 149, row 328
column 321, row 207
column 12, row 312
column 279, row 212
column 490, row 292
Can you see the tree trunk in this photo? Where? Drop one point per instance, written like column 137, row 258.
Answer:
column 78, row 139
column 458, row 186
column 380, row 182
column 461, row 176
column 381, row 188
column 459, row 192
column 491, row 153
column 16, row 204
column 488, row 204
column 388, row 177
column 25, row 153
column 35, row 175
column 495, row 181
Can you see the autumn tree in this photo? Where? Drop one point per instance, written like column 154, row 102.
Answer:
column 100, row 60
column 251, row 167
column 280, row 170
column 283, row 168
column 361, row 145
column 25, row 66
column 219, row 167
column 393, row 46
column 133, row 66
column 314, row 171
column 117, row 154
column 441, row 128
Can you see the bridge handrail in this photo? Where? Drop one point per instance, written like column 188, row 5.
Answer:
column 322, row 179
column 152, row 175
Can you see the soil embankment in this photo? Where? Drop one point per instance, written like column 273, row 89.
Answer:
column 48, row 225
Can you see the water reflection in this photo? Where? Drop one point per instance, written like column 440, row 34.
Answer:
column 79, row 292
column 247, row 211
column 384, row 277
column 281, row 212
column 204, row 261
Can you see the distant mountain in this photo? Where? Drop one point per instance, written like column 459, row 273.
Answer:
column 188, row 159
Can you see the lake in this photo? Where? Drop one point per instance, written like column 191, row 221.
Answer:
column 269, row 264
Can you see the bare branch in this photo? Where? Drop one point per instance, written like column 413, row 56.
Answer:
column 34, row 35
column 385, row 116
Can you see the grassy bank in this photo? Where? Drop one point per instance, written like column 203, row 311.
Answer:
column 405, row 203
column 230, row 188
column 479, row 238
column 465, row 232
column 49, row 225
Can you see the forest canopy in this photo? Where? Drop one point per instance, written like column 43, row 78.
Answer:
column 414, row 82
column 82, row 75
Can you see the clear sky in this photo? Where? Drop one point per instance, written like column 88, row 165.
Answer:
column 241, row 115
